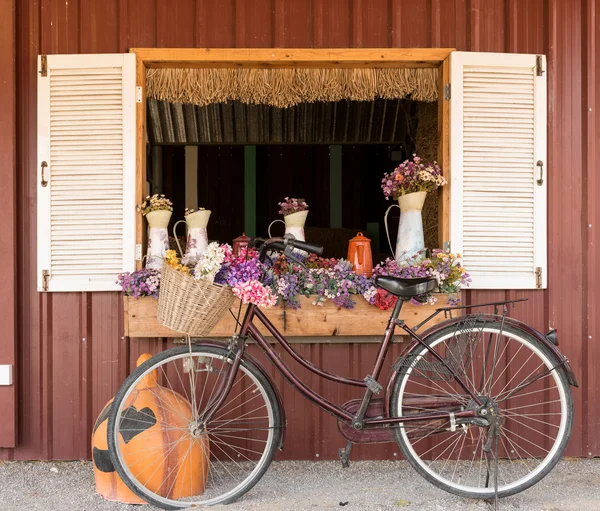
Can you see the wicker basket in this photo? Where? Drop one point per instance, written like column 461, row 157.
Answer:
column 191, row 306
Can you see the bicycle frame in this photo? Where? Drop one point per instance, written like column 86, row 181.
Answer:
column 358, row 421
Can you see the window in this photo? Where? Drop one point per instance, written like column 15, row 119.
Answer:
column 87, row 141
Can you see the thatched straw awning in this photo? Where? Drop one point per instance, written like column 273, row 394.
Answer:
column 290, row 86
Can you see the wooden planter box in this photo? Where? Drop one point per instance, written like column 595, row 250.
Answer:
column 309, row 320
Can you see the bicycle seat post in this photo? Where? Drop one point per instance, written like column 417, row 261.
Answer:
column 373, row 386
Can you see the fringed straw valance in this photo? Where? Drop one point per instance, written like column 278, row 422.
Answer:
column 290, row 86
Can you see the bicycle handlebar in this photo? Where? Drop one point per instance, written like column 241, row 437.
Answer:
column 283, row 243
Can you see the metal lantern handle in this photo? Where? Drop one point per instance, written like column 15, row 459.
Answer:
column 175, row 236
column 387, row 231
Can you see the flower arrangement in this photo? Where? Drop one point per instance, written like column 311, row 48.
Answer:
column 445, row 267
column 253, row 291
column 412, row 176
column 323, row 279
column 173, row 261
column 145, row 282
column 289, row 206
column 218, row 265
column 285, row 280
column 155, row 203
column 209, row 263
column 189, row 211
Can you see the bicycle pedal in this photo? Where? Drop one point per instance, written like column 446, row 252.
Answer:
column 345, row 455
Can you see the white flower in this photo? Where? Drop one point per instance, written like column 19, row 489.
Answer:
column 209, row 263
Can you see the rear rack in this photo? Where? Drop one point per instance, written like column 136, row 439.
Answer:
column 448, row 310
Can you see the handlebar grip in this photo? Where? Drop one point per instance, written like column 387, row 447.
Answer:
column 277, row 245
column 307, row 247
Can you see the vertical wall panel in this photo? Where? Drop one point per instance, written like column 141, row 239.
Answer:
column 175, row 23
column 590, row 141
column 98, row 26
column 215, row 23
column 411, row 24
column 254, row 23
column 137, row 27
column 293, row 23
column 64, row 381
column 565, row 226
column 449, row 24
column 8, row 231
column 332, row 24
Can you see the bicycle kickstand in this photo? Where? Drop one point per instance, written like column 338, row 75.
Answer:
column 345, row 455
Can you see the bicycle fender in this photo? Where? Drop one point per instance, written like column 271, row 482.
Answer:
column 260, row 367
column 559, row 357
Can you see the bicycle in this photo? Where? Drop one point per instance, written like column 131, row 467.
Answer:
column 480, row 405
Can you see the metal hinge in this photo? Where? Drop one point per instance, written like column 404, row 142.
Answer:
column 447, row 91
column 138, row 94
column 45, row 278
column 447, row 246
column 138, row 252
column 44, row 66
column 539, row 65
column 538, row 277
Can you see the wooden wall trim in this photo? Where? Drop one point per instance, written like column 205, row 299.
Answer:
column 292, row 57
column 140, row 165
column 8, row 226
column 444, row 154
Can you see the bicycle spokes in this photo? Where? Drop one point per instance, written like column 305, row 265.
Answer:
column 519, row 426
column 193, row 459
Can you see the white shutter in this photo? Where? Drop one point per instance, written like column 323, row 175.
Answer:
column 497, row 137
column 86, row 136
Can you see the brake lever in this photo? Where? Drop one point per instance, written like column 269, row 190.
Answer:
column 288, row 253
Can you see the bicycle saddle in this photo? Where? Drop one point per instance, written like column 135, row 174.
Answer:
column 406, row 287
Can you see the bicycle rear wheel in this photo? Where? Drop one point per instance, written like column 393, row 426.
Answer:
column 163, row 449
column 521, row 383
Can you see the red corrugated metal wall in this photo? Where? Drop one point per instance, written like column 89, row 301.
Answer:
column 71, row 353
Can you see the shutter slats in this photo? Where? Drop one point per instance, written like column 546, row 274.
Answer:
column 494, row 134
column 90, row 121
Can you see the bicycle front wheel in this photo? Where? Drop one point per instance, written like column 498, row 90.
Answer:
column 525, row 392
column 168, row 454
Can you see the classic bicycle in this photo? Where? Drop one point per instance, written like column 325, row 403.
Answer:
column 480, row 405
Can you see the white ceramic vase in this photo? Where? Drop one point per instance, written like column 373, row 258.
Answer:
column 294, row 224
column 197, row 235
column 410, row 240
column 158, row 238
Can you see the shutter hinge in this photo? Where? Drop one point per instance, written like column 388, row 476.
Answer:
column 44, row 66
column 447, row 246
column 447, row 91
column 45, row 278
column 138, row 94
column 538, row 277
column 138, row 252
column 539, row 67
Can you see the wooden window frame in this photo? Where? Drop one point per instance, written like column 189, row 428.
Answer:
column 289, row 58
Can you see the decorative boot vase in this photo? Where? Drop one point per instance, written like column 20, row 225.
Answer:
column 197, row 236
column 410, row 239
column 158, row 238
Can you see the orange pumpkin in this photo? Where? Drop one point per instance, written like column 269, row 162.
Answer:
column 149, row 455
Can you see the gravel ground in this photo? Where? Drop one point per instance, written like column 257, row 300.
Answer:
column 368, row 485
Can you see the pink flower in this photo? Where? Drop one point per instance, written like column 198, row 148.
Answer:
column 255, row 292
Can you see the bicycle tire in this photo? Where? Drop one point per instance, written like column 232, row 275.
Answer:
column 414, row 365
column 203, row 353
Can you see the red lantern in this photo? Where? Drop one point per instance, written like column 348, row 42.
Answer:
column 239, row 243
